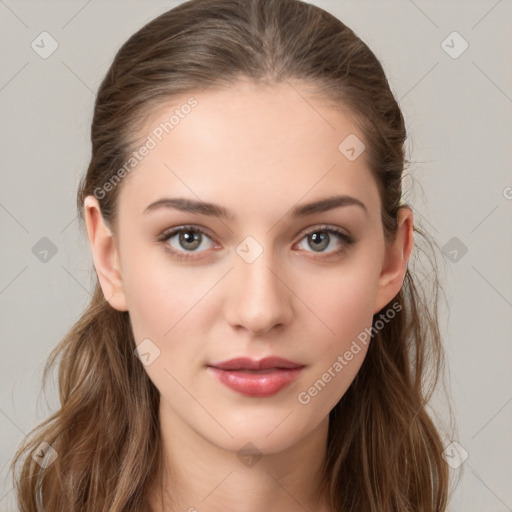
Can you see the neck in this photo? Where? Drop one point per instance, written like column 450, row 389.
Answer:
column 198, row 475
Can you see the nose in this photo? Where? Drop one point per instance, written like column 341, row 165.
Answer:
column 258, row 298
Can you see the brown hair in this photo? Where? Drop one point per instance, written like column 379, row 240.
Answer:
column 384, row 451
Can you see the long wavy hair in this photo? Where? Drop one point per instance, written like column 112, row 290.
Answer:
column 384, row 451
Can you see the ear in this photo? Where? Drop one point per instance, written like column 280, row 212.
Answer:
column 105, row 255
column 396, row 257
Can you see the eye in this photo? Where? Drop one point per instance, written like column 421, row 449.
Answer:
column 326, row 237
column 186, row 239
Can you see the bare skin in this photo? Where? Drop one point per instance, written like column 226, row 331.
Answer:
column 259, row 153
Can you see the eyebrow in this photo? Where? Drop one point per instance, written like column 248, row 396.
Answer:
column 215, row 210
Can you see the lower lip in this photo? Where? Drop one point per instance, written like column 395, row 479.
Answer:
column 256, row 384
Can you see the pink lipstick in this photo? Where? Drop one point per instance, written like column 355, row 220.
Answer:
column 256, row 378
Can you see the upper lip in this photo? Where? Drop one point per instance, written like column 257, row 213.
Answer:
column 245, row 363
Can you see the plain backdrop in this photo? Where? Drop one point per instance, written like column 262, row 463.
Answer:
column 450, row 66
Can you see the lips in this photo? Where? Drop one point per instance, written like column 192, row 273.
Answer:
column 253, row 378
column 244, row 363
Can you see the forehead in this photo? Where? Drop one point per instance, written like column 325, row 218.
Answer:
column 247, row 147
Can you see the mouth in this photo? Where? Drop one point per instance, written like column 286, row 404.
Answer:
column 253, row 378
column 247, row 364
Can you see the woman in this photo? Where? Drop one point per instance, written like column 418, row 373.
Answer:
column 256, row 340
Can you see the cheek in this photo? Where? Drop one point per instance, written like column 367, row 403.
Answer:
column 344, row 303
column 151, row 312
column 157, row 296
column 164, row 307
column 342, row 300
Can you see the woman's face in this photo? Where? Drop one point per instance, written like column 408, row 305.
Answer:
column 269, row 271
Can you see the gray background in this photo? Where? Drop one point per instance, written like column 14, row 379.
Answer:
column 458, row 112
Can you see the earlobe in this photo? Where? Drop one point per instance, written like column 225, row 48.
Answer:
column 396, row 258
column 105, row 256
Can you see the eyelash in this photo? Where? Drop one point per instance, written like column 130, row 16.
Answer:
column 167, row 235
